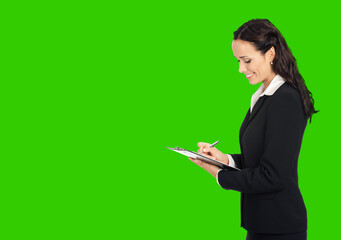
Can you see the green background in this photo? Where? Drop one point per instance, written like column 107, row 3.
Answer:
column 93, row 93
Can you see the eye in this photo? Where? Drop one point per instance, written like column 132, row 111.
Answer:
column 248, row 61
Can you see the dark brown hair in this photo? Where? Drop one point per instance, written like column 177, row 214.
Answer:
column 263, row 35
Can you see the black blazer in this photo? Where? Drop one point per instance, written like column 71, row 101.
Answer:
column 270, row 141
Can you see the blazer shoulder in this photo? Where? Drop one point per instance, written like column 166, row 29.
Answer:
column 286, row 100
column 287, row 93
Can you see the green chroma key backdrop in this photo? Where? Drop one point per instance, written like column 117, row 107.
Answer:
column 96, row 91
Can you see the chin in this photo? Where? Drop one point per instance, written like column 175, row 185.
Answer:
column 252, row 82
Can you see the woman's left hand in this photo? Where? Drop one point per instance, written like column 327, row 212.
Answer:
column 208, row 167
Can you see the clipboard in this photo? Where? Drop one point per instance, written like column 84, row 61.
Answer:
column 203, row 158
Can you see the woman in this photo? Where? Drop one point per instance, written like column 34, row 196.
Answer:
column 270, row 136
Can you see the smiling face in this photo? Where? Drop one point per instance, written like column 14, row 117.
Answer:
column 255, row 65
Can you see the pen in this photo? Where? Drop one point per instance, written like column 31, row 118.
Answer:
column 213, row 144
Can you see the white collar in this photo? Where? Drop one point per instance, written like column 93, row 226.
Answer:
column 271, row 89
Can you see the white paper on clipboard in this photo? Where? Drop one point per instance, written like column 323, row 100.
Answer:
column 203, row 158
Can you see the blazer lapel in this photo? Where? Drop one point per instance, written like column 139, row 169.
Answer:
column 250, row 116
column 256, row 108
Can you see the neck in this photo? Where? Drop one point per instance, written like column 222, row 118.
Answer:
column 267, row 81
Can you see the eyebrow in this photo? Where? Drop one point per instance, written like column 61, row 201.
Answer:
column 241, row 57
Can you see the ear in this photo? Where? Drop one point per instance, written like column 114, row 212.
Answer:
column 271, row 54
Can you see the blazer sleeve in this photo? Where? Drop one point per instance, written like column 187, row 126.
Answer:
column 237, row 160
column 285, row 124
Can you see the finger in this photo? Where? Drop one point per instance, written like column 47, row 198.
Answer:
column 193, row 159
column 211, row 150
column 196, row 161
column 209, row 156
column 202, row 145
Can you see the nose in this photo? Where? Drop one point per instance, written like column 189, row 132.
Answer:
column 241, row 67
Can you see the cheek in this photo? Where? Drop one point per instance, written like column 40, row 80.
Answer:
column 257, row 67
column 253, row 67
column 265, row 69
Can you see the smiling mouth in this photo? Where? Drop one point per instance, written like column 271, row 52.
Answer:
column 249, row 76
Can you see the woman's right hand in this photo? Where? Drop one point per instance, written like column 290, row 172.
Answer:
column 213, row 152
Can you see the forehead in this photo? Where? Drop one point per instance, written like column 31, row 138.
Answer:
column 242, row 48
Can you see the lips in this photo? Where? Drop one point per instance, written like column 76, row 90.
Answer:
column 249, row 76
